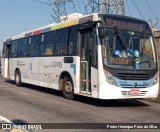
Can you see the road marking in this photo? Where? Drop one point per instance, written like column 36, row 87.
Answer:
column 5, row 119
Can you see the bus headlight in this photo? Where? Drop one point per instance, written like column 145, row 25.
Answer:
column 110, row 78
column 155, row 78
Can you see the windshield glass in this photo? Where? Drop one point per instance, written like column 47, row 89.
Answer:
column 125, row 49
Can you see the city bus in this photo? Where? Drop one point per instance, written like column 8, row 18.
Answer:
column 101, row 56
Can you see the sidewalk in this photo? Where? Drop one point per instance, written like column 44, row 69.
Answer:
column 157, row 100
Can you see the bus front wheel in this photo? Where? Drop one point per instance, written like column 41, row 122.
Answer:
column 67, row 88
column 18, row 78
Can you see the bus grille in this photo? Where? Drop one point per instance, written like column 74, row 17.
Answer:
column 128, row 93
column 132, row 76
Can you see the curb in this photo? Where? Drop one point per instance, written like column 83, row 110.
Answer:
column 156, row 100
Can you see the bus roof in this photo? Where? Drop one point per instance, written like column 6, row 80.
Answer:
column 55, row 26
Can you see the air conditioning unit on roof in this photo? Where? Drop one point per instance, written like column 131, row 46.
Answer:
column 71, row 17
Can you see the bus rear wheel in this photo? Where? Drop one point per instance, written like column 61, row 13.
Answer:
column 18, row 78
column 67, row 88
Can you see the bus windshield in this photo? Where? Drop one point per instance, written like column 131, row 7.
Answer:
column 127, row 49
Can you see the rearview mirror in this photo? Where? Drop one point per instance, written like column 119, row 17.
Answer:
column 101, row 32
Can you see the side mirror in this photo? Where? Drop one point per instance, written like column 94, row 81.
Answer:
column 101, row 32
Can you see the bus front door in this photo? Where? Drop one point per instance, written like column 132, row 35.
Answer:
column 85, row 66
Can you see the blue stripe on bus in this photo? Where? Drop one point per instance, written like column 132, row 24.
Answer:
column 74, row 67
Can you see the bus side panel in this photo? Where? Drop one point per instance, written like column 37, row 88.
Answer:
column 101, row 75
column 50, row 69
column 31, row 72
column 77, row 75
column 44, row 71
column 13, row 66
column 28, row 68
column 48, row 74
column 94, row 82
column 5, row 67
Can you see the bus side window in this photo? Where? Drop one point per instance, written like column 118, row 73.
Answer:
column 47, row 44
column 42, row 50
column 94, row 50
column 71, row 41
column 61, row 41
column 14, row 45
column 22, row 47
column 4, row 50
column 33, row 48
column 70, row 47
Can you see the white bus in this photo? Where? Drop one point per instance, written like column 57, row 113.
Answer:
column 100, row 55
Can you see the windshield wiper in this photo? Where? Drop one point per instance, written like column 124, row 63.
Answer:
column 122, row 41
column 144, row 41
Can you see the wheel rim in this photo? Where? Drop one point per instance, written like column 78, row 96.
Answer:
column 68, row 87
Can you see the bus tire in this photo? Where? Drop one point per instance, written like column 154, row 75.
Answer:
column 18, row 78
column 67, row 88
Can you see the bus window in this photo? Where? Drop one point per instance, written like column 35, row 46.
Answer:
column 70, row 47
column 14, row 48
column 61, row 41
column 71, row 41
column 94, row 51
column 22, row 47
column 47, row 44
column 34, row 45
column 4, row 54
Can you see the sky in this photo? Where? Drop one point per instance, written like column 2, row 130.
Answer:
column 17, row 16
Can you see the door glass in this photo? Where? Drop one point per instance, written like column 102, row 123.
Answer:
column 86, row 44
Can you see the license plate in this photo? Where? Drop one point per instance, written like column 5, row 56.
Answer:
column 135, row 92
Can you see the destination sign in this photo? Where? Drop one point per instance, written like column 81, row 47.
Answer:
column 120, row 61
column 126, row 23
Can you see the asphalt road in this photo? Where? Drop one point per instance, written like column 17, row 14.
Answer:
column 33, row 104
